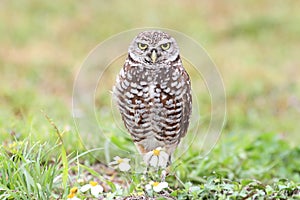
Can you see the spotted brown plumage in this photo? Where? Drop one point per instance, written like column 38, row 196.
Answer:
column 153, row 92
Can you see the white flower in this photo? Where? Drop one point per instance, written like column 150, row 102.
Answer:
column 122, row 163
column 72, row 195
column 95, row 188
column 156, row 186
column 156, row 158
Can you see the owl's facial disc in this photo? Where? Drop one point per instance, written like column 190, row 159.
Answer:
column 153, row 47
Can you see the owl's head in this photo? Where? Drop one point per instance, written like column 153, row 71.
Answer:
column 153, row 47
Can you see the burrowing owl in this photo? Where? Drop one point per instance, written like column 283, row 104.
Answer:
column 153, row 92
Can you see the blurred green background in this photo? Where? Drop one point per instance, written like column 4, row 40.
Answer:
column 254, row 43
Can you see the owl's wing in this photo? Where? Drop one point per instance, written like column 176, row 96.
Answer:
column 128, row 96
column 121, row 94
column 186, row 99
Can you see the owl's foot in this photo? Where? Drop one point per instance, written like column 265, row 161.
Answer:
column 164, row 173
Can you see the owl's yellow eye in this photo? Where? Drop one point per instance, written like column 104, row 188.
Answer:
column 142, row 46
column 165, row 46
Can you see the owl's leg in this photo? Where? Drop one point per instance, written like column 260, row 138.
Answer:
column 143, row 152
column 146, row 172
column 165, row 172
column 169, row 161
column 163, row 175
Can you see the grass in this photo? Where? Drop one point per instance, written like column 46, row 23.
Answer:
column 28, row 172
column 250, row 168
column 255, row 45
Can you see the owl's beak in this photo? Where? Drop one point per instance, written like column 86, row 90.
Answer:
column 153, row 56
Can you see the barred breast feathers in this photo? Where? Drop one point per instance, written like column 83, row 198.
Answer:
column 154, row 105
